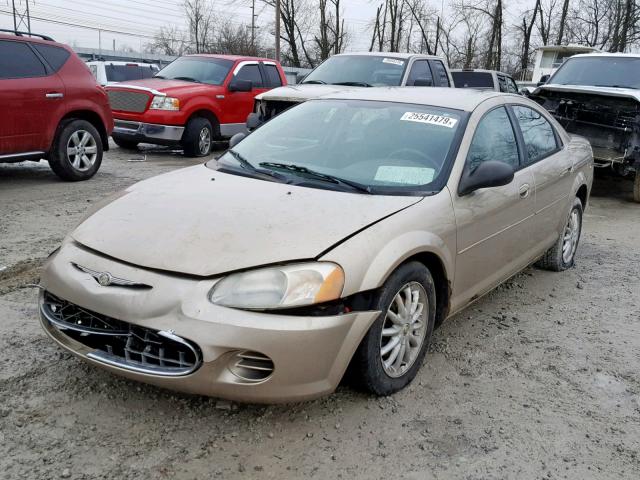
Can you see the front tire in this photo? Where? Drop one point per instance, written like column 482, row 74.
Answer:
column 125, row 144
column 198, row 137
column 392, row 351
column 562, row 255
column 76, row 153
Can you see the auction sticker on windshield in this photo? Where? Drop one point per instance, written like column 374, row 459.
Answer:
column 404, row 175
column 440, row 120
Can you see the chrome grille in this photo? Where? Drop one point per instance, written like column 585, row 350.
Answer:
column 128, row 101
column 120, row 343
column 251, row 366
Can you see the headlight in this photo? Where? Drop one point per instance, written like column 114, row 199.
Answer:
column 280, row 287
column 161, row 102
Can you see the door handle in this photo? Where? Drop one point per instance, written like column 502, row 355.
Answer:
column 524, row 190
column 55, row 95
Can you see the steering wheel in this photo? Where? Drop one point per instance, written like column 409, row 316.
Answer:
column 424, row 159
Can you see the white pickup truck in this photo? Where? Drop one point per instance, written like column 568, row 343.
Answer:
column 349, row 70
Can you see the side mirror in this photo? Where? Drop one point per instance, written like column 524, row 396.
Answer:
column 423, row 82
column 236, row 139
column 253, row 121
column 240, row 85
column 486, row 175
column 524, row 92
column 543, row 79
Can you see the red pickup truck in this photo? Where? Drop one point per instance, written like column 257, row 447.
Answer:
column 191, row 102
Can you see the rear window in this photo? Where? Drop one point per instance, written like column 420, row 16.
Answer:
column 273, row 76
column 17, row 60
column 122, row 73
column 472, row 79
column 56, row 57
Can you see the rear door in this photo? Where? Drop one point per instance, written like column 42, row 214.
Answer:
column 420, row 74
column 552, row 168
column 493, row 224
column 440, row 73
column 30, row 94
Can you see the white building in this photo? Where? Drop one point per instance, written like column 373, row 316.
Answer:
column 550, row 57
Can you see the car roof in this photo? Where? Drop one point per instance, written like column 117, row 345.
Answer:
column 480, row 70
column 27, row 38
column 458, row 99
column 604, row 54
column 389, row 55
column 111, row 62
column 233, row 58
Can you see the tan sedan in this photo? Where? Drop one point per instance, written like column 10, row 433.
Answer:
column 336, row 235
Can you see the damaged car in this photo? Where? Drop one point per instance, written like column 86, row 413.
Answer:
column 597, row 96
column 353, row 70
column 334, row 237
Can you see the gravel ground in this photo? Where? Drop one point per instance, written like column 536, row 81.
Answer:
column 539, row 379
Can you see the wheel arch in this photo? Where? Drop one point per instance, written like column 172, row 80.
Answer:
column 583, row 195
column 209, row 115
column 90, row 116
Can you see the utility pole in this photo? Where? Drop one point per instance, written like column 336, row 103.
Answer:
column 253, row 24
column 278, row 30
column 21, row 16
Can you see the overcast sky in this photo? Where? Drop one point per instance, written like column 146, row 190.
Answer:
column 145, row 17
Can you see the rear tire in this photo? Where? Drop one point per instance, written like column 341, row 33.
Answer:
column 562, row 255
column 76, row 153
column 636, row 187
column 377, row 366
column 198, row 137
column 125, row 144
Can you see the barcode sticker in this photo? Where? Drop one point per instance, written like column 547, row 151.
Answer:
column 393, row 61
column 440, row 120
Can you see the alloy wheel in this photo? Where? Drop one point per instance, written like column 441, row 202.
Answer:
column 204, row 141
column 571, row 237
column 82, row 150
column 404, row 329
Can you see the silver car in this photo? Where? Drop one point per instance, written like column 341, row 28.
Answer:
column 338, row 234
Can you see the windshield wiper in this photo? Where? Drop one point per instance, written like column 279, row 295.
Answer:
column 158, row 76
column 616, row 86
column 319, row 82
column 353, row 84
column 322, row 176
column 187, row 79
column 247, row 165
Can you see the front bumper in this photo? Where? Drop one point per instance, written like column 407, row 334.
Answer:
column 148, row 132
column 309, row 354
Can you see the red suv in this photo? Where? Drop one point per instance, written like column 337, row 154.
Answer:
column 192, row 101
column 52, row 107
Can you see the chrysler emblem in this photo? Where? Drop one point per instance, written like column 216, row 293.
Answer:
column 104, row 279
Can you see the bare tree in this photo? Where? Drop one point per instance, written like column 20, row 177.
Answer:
column 563, row 21
column 527, row 29
column 331, row 36
column 201, row 21
column 296, row 18
column 169, row 41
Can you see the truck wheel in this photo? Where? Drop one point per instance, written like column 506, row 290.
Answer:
column 126, row 144
column 76, row 153
column 198, row 137
column 562, row 255
column 636, row 187
column 393, row 349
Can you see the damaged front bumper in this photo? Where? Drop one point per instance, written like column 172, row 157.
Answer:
column 164, row 331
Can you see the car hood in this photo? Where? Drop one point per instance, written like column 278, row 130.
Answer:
column 606, row 91
column 204, row 222
column 154, row 85
column 301, row 93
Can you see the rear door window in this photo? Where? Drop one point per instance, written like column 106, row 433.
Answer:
column 538, row 134
column 251, row 73
column 17, row 60
column 123, row 73
column 440, row 73
column 502, row 82
column 273, row 76
column 420, row 71
column 56, row 57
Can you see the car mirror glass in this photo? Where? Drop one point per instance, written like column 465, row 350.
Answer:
column 237, row 85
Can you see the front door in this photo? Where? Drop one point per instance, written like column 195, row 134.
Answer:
column 493, row 224
column 238, row 105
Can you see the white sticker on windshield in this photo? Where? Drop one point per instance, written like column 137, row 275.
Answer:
column 393, row 61
column 440, row 120
column 405, row 175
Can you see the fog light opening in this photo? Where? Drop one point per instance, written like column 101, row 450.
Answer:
column 250, row 366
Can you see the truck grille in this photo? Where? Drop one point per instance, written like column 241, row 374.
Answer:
column 128, row 101
column 122, row 344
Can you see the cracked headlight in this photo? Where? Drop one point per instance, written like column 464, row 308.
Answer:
column 280, row 287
